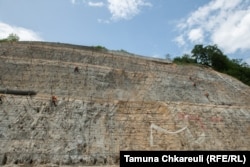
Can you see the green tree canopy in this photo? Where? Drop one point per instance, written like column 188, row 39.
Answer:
column 199, row 54
column 185, row 59
column 11, row 38
column 210, row 55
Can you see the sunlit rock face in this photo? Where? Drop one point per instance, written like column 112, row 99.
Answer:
column 114, row 101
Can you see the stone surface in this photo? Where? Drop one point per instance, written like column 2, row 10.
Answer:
column 116, row 102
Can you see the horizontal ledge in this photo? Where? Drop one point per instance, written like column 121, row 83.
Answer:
column 18, row 92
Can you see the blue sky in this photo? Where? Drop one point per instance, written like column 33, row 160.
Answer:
column 146, row 27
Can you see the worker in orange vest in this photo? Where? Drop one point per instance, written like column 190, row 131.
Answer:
column 54, row 100
column 206, row 94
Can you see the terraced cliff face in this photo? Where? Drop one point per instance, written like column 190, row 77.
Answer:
column 115, row 102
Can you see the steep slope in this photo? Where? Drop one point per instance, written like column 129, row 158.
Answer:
column 115, row 102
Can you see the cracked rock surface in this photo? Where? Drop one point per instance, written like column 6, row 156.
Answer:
column 115, row 102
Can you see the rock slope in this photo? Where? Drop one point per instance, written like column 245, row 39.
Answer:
column 117, row 101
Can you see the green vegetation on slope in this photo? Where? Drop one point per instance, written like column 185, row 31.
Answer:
column 99, row 48
column 11, row 38
column 213, row 57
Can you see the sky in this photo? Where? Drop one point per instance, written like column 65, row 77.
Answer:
column 151, row 28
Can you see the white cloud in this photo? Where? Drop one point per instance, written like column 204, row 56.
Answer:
column 156, row 56
column 73, row 1
column 77, row 2
column 234, row 34
column 23, row 33
column 196, row 35
column 125, row 9
column 180, row 40
column 103, row 21
column 119, row 9
column 96, row 4
column 222, row 22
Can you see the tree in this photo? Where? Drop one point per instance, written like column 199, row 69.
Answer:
column 240, row 62
column 168, row 56
column 100, row 48
column 13, row 37
column 239, row 70
column 220, row 62
column 185, row 59
column 199, row 54
column 210, row 55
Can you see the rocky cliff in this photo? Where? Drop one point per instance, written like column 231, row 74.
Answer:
column 115, row 101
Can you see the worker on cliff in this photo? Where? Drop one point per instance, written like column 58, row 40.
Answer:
column 206, row 94
column 76, row 70
column 1, row 99
column 54, row 100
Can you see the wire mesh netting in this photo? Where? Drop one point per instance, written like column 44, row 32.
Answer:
column 112, row 102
